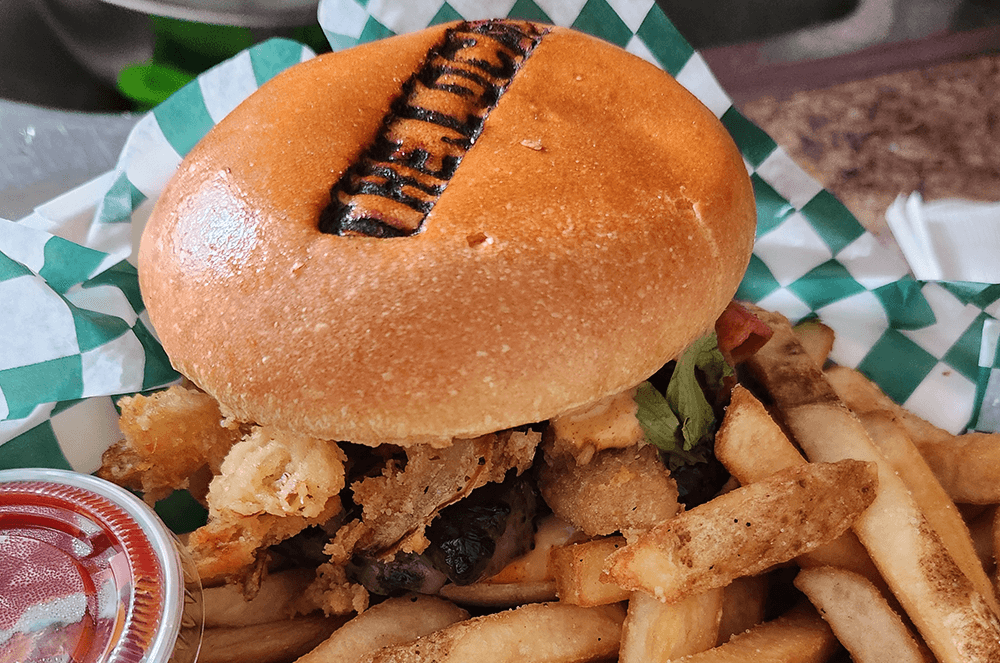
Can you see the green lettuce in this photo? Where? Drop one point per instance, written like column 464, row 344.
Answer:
column 682, row 422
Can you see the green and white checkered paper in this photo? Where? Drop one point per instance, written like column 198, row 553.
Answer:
column 73, row 336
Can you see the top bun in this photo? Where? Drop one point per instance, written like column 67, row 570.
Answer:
column 600, row 222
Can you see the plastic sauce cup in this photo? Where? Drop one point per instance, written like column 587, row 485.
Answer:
column 90, row 574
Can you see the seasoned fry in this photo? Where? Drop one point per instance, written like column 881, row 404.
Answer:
column 552, row 533
column 750, row 443
column 996, row 546
column 952, row 616
column 847, row 553
column 656, row 632
column 276, row 599
column 859, row 616
column 500, row 594
column 527, row 579
column 392, row 622
column 275, row 642
column 744, row 604
column 578, row 568
column 798, row 636
column 981, row 530
column 745, row 531
column 817, row 339
column 967, row 465
column 891, row 439
column 535, row 633
column 752, row 446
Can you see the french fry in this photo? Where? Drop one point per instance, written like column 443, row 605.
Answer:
column 577, row 569
column 745, row 531
column 981, row 530
column 752, row 446
column 552, row 533
column 817, row 340
column 891, row 439
column 744, row 604
column 392, row 622
column 860, row 617
column 527, row 579
column 275, row 600
column 798, row 636
column 535, row 633
column 274, row 642
column 967, row 465
column 951, row 614
column 996, row 547
column 656, row 632
column 750, row 443
column 500, row 594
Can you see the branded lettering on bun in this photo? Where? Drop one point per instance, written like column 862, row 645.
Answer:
column 403, row 259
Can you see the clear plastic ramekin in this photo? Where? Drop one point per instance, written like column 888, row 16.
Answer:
column 90, row 574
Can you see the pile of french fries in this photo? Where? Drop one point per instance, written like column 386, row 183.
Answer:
column 852, row 530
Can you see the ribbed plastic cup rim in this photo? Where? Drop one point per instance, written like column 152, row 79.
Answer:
column 161, row 645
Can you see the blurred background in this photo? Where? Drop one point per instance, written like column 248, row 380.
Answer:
column 112, row 55
column 75, row 74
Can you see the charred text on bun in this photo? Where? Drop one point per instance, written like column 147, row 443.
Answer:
column 445, row 234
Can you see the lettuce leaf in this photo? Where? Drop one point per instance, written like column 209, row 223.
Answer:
column 682, row 422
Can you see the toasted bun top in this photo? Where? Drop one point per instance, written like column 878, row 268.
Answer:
column 600, row 222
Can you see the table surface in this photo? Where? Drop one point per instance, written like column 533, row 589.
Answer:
column 935, row 130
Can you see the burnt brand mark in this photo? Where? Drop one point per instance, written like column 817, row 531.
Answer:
column 440, row 113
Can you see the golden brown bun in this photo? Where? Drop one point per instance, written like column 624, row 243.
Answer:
column 620, row 220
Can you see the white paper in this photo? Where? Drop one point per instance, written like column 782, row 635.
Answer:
column 948, row 239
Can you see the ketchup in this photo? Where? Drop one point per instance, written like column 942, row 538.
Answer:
column 88, row 574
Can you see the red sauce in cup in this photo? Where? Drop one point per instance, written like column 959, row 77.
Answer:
column 88, row 574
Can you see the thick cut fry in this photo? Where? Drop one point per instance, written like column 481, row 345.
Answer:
column 656, row 632
column 745, row 531
column 981, row 529
column 846, row 553
column 951, row 614
column 817, row 339
column 798, row 636
column 527, row 579
column 891, row 439
column 535, row 633
column 535, row 565
column 744, row 604
column 501, row 594
column 968, row 465
column 859, row 616
column 275, row 642
column 996, row 545
column 750, row 443
column 277, row 599
column 392, row 622
column 577, row 569
column 752, row 446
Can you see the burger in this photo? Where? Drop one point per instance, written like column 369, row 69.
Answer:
column 408, row 281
